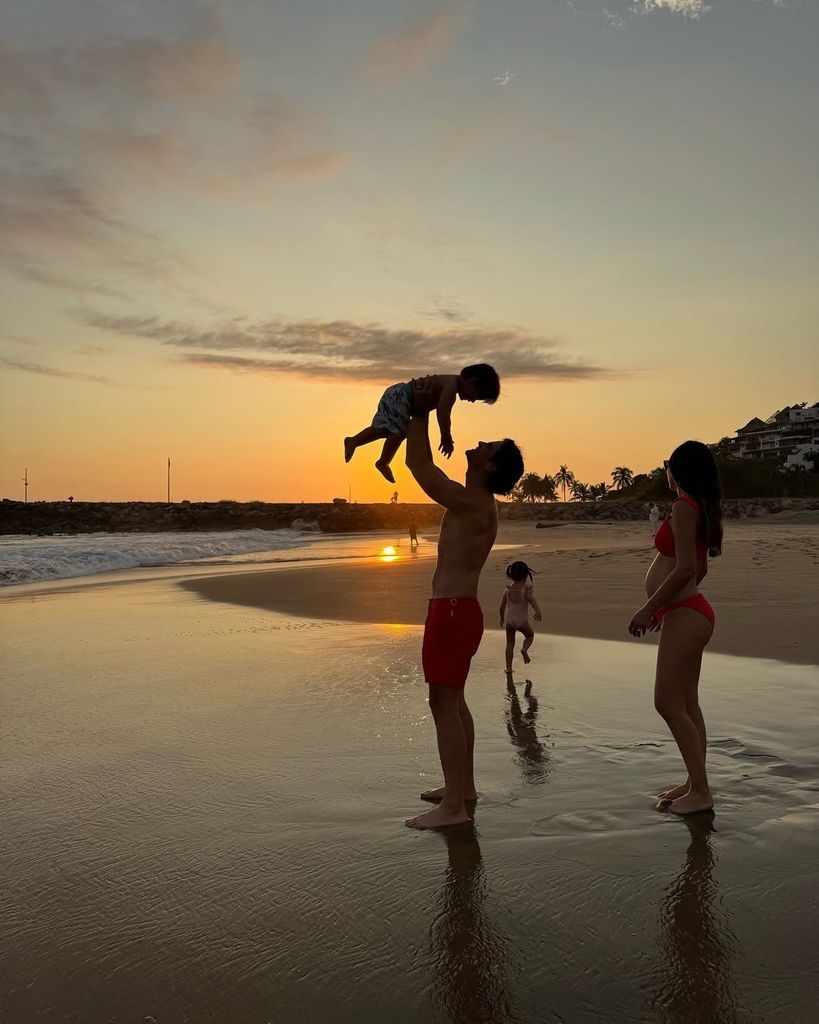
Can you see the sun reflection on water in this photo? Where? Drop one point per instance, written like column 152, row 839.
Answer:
column 388, row 554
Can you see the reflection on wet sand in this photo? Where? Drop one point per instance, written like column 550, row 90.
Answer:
column 471, row 958
column 693, row 982
column 533, row 757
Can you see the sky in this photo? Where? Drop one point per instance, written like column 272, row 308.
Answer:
column 226, row 227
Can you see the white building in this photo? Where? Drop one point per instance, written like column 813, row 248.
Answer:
column 790, row 435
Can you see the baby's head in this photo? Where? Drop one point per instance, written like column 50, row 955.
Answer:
column 479, row 383
column 518, row 572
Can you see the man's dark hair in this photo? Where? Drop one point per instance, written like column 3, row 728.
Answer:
column 508, row 463
column 487, row 380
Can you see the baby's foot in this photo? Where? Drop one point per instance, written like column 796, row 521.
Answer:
column 349, row 448
column 525, row 656
column 385, row 471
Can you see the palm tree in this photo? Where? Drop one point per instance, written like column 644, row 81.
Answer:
column 599, row 490
column 622, row 477
column 548, row 488
column 580, row 491
column 565, row 478
column 531, row 487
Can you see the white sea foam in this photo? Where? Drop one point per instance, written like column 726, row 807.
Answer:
column 26, row 559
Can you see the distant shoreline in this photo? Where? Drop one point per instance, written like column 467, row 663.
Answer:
column 43, row 518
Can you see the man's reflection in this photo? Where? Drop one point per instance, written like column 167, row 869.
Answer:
column 470, row 956
column 533, row 756
column 693, row 981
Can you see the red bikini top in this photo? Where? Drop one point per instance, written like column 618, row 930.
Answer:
column 664, row 537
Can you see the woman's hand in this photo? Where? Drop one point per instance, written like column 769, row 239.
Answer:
column 643, row 621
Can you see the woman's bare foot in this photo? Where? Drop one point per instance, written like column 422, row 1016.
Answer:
column 691, row 803
column 677, row 791
column 349, row 448
column 385, row 471
column 438, row 817
column 434, row 795
column 525, row 656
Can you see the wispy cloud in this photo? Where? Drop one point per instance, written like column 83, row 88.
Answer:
column 86, row 128
column 341, row 349
column 413, row 44
column 52, row 371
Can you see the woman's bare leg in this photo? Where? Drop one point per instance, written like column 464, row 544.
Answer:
column 679, row 658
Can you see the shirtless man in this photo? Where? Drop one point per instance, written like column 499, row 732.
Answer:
column 454, row 624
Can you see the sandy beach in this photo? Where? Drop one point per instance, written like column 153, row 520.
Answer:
column 203, row 803
column 763, row 588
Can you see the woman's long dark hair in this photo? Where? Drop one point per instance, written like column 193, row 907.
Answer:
column 519, row 571
column 694, row 469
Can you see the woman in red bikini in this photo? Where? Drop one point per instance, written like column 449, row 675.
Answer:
column 690, row 532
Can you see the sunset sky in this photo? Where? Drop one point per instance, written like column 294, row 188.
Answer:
column 226, row 227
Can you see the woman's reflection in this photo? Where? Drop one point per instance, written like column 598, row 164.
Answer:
column 533, row 756
column 470, row 957
column 694, row 979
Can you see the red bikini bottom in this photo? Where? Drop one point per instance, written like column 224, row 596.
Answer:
column 698, row 602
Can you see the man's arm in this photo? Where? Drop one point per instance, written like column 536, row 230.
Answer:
column 432, row 481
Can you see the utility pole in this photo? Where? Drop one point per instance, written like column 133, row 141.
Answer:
column 25, row 488
column 169, row 479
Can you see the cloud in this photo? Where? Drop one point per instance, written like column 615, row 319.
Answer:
column 687, row 8
column 344, row 350
column 51, row 371
column 413, row 44
column 86, row 128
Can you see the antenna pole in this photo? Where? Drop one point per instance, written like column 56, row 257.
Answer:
column 25, row 488
column 169, row 479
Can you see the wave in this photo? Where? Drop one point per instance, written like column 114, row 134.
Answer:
column 26, row 559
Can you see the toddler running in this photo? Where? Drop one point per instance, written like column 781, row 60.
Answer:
column 477, row 383
column 514, row 610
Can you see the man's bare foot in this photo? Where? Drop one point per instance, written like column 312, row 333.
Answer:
column 676, row 791
column 434, row 795
column 385, row 471
column 525, row 656
column 438, row 817
column 691, row 803
column 349, row 448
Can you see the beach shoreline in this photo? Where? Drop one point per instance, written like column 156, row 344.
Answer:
column 589, row 584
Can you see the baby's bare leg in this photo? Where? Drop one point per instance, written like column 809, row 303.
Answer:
column 391, row 446
column 365, row 436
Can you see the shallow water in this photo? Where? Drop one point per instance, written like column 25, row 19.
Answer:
column 203, row 811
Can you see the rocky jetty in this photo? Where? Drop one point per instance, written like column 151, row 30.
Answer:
column 49, row 517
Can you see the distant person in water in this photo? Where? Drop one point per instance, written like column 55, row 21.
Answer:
column 454, row 623
column 653, row 518
column 690, row 532
column 413, row 535
column 477, row 383
column 514, row 610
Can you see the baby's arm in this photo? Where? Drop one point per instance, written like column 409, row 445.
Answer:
column 503, row 608
column 530, row 597
column 449, row 392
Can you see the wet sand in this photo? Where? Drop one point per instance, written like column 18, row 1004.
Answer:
column 203, row 805
column 763, row 588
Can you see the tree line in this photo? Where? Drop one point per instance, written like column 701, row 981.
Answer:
column 564, row 484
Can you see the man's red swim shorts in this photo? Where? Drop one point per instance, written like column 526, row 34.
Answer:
column 452, row 635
